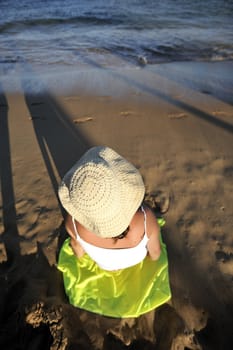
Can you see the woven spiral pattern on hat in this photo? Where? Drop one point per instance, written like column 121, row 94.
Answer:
column 102, row 191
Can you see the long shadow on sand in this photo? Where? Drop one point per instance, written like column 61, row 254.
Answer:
column 191, row 109
column 15, row 267
column 29, row 281
column 165, row 97
column 9, row 215
column 216, row 82
column 60, row 142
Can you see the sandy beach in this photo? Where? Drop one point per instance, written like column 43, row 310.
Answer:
column 174, row 121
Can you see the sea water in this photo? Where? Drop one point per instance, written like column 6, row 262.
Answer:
column 57, row 35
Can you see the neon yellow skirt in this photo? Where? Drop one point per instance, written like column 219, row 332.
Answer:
column 129, row 292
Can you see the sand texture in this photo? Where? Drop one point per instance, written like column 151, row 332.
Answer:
column 175, row 123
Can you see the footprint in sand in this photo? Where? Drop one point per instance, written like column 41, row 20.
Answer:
column 225, row 260
column 221, row 114
column 83, row 120
column 223, row 256
column 177, row 115
column 159, row 201
column 126, row 113
column 72, row 98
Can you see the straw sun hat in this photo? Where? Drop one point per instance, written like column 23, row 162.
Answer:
column 102, row 191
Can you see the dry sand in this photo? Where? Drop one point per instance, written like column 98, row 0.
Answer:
column 175, row 122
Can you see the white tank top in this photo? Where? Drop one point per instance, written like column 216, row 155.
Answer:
column 115, row 259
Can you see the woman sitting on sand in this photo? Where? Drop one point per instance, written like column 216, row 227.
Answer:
column 114, row 263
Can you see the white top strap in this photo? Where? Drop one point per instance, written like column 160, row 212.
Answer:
column 75, row 229
column 145, row 222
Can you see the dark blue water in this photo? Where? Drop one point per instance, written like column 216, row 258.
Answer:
column 73, row 33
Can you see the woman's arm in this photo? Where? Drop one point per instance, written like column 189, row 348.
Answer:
column 153, row 245
column 76, row 246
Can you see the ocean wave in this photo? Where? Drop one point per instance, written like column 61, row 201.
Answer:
column 172, row 52
column 46, row 33
column 79, row 20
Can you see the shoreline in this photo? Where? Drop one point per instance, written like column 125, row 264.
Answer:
column 96, row 79
column 174, row 122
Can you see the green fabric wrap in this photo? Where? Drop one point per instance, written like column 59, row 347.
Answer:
column 129, row 292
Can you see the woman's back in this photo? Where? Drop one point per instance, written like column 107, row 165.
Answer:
column 115, row 257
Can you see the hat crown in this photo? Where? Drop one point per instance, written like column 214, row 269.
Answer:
column 96, row 186
column 102, row 191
